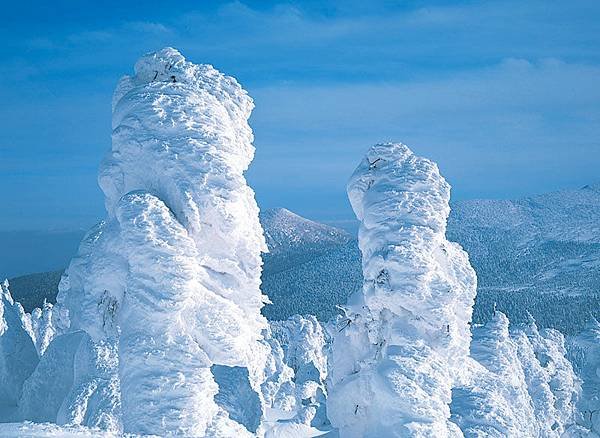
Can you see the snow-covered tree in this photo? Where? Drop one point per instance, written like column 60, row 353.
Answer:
column 496, row 401
column 303, row 341
column 538, row 388
column 589, row 405
column 42, row 330
column 405, row 337
column 514, row 388
column 549, row 349
column 172, row 276
column 18, row 356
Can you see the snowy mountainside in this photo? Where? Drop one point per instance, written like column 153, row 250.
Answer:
column 285, row 230
column 315, row 286
column 539, row 255
column 293, row 240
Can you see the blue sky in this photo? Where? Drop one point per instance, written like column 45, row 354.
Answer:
column 504, row 95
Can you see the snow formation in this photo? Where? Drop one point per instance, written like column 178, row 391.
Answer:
column 18, row 356
column 304, row 345
column 405, row 337
column 171, row 277
column 521, row 384
column 589, row 406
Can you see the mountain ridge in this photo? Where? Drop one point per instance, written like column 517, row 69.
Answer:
column 538, row 254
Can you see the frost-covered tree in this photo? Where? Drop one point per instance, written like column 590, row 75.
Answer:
column 18, row 356
column 589, row 405
column 495, row 402
column 513, row 388
column 172, row 276
column 42, row 329
column 549, row 349
column 303, row 341
column 538, row 388
column 405, row 337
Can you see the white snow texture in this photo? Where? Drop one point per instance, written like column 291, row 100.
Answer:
column 172, row 276
column 158, row 329
column 405, row 336
column 520, row 384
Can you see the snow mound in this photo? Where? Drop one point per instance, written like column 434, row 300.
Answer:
column 405, row 336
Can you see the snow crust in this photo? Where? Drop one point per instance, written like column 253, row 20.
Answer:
column 405, row 336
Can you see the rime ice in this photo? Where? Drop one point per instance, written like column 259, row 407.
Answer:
column 400, row 347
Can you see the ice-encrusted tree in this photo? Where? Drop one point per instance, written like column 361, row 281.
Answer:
column 405, row 336
column 172, row 275
column 41, row 323
column 589, row 405
column 565, row 386
column 496, row 402
column 18, row 356
column 303, row 341
column 521, row 384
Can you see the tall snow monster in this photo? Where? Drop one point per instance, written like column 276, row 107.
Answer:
column 399, row 349
column 172, row 276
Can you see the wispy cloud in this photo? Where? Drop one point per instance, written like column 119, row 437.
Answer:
column 502, row 93
column 491, row 129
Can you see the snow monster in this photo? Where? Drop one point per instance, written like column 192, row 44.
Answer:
column 399, row 348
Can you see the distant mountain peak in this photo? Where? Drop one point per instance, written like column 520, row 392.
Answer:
column 276, row 213
column 594, row 187
column 285, row 229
